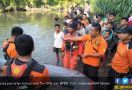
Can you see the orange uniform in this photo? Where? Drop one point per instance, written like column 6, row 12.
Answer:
column 9, row 47
column 71, row 52
column 122, row 60
column 97, row 45
column 38, row 73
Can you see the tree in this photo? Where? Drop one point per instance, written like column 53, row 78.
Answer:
column 39, row 3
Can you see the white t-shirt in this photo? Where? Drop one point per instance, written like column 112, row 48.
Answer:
column 81, row 32
column 68, row 21
column 58, row 39
column 88, row 28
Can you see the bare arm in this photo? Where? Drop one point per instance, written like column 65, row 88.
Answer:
column 72, row 39
column 82, row 38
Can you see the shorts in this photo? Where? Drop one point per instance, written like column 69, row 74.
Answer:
column 57, row 50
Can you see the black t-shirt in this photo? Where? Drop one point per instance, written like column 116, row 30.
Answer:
column 114, row 24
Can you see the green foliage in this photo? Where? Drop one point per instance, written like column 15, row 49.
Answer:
column 39, row 3
column 120, row 7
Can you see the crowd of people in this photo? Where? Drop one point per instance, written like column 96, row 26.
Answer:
column 82, row 38
column 95, row 41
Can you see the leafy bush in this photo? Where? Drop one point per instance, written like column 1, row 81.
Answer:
column 120, row 7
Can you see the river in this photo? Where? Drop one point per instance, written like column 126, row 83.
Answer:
column 39, row 25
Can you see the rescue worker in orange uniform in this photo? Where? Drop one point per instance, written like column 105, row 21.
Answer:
column 8, row 46
column 94, row 49
column 121, row 64
column 24, row 68
column 70, row 49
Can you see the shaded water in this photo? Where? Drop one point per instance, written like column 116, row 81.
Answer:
column 39, row 25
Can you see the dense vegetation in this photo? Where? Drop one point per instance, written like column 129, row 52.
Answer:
column 122, row 7
column 37, row 3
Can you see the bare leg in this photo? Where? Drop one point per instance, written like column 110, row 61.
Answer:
column 57, row 57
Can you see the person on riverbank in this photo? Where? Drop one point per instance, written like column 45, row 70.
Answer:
column 94, row 49
column 88, row 26
column 84, row 19
column 8, row 46
column 65, row 28
column 108, row 33
column 69, row 19
column 71, row 50
column 58, row 39
column 108, row 36
column 80, row 29
column 24, row 69
column 124, row 23
column 56, row 18
column 87, row 8
column 121, row 64
column 112, row 19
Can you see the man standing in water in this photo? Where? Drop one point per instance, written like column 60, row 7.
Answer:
column 71, row 49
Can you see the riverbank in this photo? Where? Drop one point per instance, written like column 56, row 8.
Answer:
column 31, row 9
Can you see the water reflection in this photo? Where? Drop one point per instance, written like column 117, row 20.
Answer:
column 39, row 25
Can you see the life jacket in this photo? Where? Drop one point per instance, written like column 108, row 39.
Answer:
column 6, row 56
column 19, row 78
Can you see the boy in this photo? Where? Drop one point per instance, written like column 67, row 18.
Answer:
column 107, row 34
column 80, row 29
column 124, row 22
column 58, row 39
column 111, row 18
column 65, row 26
